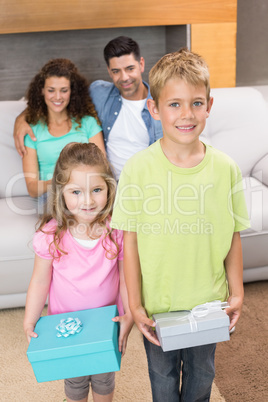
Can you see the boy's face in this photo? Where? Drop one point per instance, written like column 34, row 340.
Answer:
column 126, row 73
column 183, row 110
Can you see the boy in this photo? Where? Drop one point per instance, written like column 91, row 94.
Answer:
column 181, row 206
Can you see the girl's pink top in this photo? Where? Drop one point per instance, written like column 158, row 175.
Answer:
column 84, row 278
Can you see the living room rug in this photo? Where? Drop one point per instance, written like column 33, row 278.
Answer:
column 242, row 363
column 18, row 383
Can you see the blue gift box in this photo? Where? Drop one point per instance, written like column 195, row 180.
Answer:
column 94, row 350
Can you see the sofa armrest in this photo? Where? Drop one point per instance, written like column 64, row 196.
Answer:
column 12, row 181
column 260, row 170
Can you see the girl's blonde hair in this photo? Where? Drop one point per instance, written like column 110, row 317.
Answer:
column 183, row 64
column 72, row 156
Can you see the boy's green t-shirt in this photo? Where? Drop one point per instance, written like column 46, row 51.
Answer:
column 185, row 220
column 48, row 147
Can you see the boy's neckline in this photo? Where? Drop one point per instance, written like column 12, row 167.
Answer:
column 189, row 160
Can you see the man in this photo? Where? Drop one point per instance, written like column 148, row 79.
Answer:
column 121, row 105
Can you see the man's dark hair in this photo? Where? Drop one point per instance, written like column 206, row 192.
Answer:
column 121, row 46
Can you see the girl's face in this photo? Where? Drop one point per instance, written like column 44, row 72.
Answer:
column 57, row 92
column 86, row 193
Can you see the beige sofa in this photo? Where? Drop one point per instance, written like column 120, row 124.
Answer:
column 18, row 215
column 238, row 125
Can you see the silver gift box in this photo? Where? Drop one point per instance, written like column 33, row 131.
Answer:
column 183, row 329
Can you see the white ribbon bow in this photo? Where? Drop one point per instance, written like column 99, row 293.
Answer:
column 69, row 326
column 197, row 312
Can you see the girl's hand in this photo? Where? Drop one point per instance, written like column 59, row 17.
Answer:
column 126, row 323
column 29, row 332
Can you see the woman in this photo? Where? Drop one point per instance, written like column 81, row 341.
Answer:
column 59, row 111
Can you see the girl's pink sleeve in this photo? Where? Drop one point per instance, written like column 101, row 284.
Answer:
column 42, row 241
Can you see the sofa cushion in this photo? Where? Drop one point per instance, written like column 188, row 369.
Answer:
column 11, row 178
column 238, row 125
column 18, row 220
column 256, row 195
column 16, row 238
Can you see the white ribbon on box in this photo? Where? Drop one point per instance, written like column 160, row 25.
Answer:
column 197, row 312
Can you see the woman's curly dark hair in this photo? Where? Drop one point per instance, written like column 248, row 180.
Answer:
column 80, row 104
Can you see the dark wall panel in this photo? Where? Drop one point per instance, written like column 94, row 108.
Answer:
column 22, row 55
column 252, row 42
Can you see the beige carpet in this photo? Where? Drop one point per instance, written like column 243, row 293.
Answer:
column 242, row 363
column 18, row 384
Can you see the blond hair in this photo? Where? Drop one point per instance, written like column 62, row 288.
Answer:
column 72, row 156
column 183, row 64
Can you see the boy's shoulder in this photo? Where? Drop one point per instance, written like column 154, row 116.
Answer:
column 153, row 153
column 220, row 156
column 145, row 164
column 144, row 157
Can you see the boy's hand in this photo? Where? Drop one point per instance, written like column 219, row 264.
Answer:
column 145, row 325
column 234, row 311
column 21, row 128
column 29, row 332
column 126, row 323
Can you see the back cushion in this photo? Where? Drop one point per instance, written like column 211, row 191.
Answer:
column 11, row 177
column 238, row 125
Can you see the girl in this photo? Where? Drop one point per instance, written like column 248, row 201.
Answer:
column 78, row 257
column 60, row 111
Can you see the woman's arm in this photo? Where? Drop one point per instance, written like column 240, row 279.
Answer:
column 98, row 140
column 37, row 294
column 234, row 272
column 35, row 186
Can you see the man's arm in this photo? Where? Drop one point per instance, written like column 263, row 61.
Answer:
column 21, row 128
column 234, row 272
column 132, row 273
